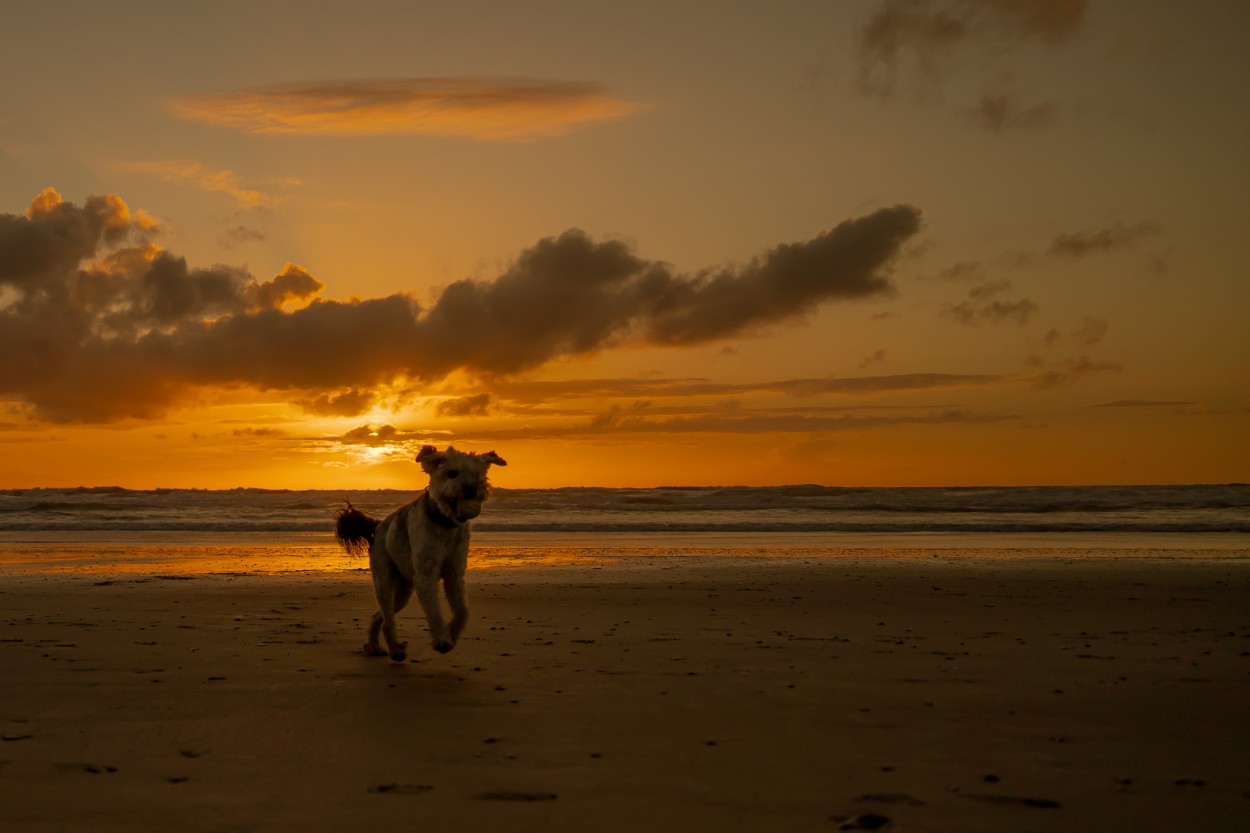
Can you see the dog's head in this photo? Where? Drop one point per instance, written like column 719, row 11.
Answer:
column 458, row 480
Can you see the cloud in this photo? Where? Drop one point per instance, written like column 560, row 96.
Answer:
column 1141, row 403
column 521, row 391
column 618, row 421
column 1101, row 240
column 1073, row 370
column 877, row 357
column 190, row 172
column 476, row 405
column 240, row 235
column 917, row 45
column 370, row 435
column 1002, row 112
column 351, row 402
column 1092, row 330
column 961, row 271
column 926, row 36
column 108, row 326
column 980, row 308
column 293, row 283
column 494, row 109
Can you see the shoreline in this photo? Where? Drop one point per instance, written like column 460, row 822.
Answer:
column 672, row 694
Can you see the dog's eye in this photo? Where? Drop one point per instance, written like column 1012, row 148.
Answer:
column 453, row 474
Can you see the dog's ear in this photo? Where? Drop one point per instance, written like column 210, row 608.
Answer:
column 430, row 458
column 491, row 458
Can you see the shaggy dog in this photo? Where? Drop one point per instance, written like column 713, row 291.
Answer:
column 419, row 544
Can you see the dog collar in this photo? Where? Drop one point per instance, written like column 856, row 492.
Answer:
column 432, row 512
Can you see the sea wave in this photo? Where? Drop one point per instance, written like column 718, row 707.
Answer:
column 798, row 508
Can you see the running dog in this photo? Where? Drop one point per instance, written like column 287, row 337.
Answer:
column 419, row 544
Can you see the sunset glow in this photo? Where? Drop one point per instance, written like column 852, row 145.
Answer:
column 807, row 243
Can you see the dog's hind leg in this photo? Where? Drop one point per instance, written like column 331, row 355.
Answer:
column 372, row 647
column 401, row 592
column 392, row 591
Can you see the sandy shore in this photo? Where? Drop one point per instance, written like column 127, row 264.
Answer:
column 953, row 694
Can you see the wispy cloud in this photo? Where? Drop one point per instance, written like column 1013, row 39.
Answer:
column 496, row 109
column 537, row 391
column 981, row 305
column 1003, row 112
column 1100, row 240
column 221, row 180
column 1072, row 371
column 916, row 44
column 1142, row 403
column 240, row 235
column 619, row 421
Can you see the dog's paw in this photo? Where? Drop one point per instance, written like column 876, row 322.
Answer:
column 375, row 651
column 443, row 646
column 399, row 655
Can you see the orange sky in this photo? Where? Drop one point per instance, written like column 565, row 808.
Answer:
column 897, row 242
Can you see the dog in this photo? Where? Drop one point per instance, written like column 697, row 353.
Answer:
column 420, row 544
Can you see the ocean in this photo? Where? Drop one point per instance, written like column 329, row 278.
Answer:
column 266, row 530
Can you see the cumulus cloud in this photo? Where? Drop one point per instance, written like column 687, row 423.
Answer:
column 109, row 326
column 1101, row 240
column 472, row 107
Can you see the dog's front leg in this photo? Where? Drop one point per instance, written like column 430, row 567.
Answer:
column 427, row 592
column 453, row 586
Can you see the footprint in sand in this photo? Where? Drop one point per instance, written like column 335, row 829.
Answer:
column 509, row 795
column 401, row 789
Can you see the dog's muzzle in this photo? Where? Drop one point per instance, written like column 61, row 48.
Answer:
column 466, row 509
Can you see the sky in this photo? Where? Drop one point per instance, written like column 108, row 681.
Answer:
column 862, row 243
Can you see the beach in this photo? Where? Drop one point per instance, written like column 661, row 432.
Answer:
column 960, row 690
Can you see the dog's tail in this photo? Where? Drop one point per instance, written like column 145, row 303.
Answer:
column 354, row 529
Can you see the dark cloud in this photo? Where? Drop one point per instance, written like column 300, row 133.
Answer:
column 108, row 326
column 293, row 283
column 351, row 402
column 476, row 405
column 1107, row 239
column 370, row 435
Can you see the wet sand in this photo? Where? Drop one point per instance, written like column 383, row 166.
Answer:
column 950, row 693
